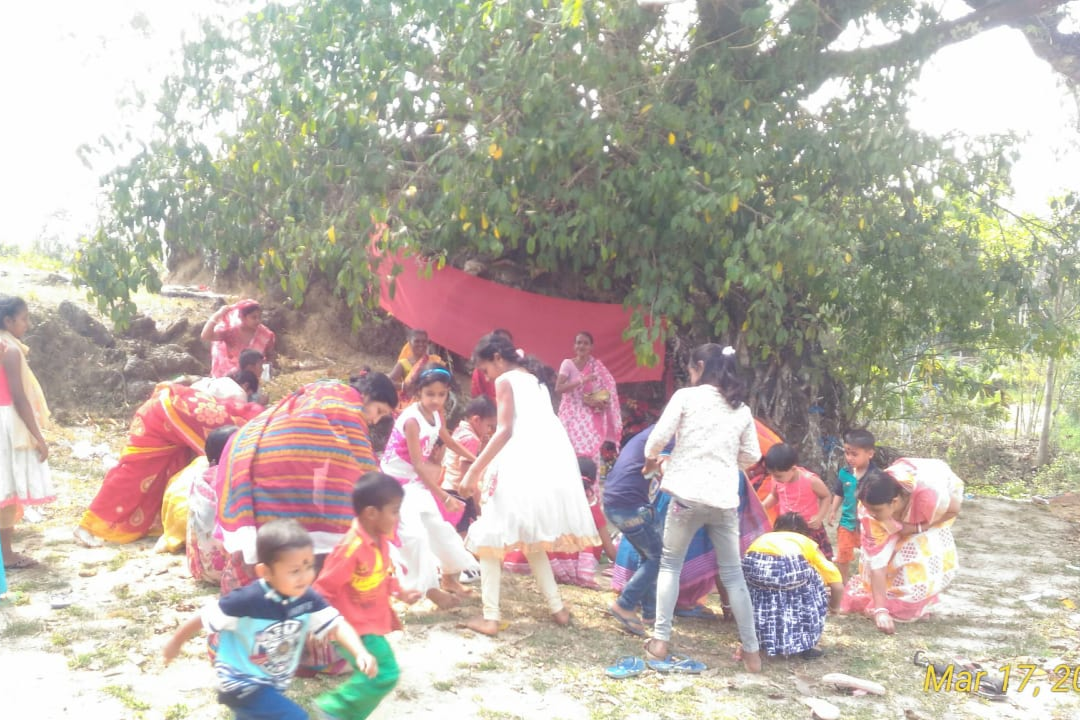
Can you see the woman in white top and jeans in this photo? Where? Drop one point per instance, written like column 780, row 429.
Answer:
column 715, row 438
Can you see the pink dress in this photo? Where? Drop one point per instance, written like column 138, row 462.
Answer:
column 229, row 343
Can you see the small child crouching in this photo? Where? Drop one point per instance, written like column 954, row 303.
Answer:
column 792, row 585
column 358, row 579
column 263, row 627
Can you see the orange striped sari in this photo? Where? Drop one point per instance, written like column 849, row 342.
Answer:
column 167, row 432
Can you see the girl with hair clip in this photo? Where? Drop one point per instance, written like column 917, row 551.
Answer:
column 533, row 499
column 715, row 438
column 428, row 542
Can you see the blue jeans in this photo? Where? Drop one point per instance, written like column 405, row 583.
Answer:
column 642, row 530
column 683, row 521
column 262, row 702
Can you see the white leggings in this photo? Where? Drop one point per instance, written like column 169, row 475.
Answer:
column 491, row 580
column 428, row 542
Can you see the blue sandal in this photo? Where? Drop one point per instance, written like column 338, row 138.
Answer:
column 678, row 664
column 699, row 612
column 627, row 666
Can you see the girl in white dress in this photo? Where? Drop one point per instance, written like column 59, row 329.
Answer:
column 24, row 467
column 533, row 499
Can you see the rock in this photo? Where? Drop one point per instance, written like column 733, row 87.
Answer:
column 139, row 390
column 171, row 360
column 143, row 328
column 81, row 322
column 821, row 709
column 175, row 331
column 55, row 279
column 138, row 369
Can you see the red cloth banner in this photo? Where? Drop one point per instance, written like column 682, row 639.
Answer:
column 457, row 309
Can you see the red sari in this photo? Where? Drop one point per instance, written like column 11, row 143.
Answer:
column 167, row 432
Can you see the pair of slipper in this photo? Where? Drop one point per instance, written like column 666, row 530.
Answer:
column 990, row 687
column 630, row 666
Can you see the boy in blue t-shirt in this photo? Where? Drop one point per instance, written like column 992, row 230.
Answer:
column 859, row 454
column 263, row 627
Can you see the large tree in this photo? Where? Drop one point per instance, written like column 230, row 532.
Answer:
column 590, row 149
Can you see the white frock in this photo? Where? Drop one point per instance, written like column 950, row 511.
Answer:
column 533, row 497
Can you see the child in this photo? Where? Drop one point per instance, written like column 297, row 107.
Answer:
column 798, row 490
column 578, row 567
column 787, row 574
column 358, row 579
column 859, row 453
column 472, row 433
column 263, row 627
column 428, row 542
column 206, row 554
column 252, row 361
column 24, row 469
column 533, row 498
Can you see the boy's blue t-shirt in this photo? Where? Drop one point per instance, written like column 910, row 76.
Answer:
column 849, row 487
column 261, row 634
column 625, row 487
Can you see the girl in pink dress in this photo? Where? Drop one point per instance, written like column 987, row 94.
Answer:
column 233, row 329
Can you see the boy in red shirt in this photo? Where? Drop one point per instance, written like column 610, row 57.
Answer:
column 358, row 580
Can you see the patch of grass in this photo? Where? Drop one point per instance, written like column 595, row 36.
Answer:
column 488, row 666
column 127, row 697
column 79, row 612
column 443, row 685
column 117, row 561
column 486, row 714
column 22, row 627
column 122, row 591
column 179, row 711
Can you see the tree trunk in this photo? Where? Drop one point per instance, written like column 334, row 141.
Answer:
column 1043, row 456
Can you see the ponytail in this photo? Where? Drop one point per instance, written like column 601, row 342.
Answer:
column 495, row 343
column 720, row 370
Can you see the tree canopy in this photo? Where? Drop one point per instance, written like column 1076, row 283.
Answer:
column 595, row 150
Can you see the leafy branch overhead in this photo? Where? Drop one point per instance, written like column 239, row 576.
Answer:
column 587, row 149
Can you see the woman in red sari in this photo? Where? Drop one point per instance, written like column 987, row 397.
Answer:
column 589, row 408
column 168, row 431
column 232, row 329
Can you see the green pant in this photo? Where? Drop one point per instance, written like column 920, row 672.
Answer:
column 358, row 696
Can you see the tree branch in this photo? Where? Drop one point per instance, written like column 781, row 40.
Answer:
column 986, row 14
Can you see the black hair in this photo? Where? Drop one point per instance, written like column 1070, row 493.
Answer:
column 417, row 332
column 375, row 387
column 491, row 345
column 860, row 438
column 375, row 489
column 587, row 466
column 216, row 441
column 504, row 332
column 587, row 334
column 877, row 487
column 249, row 357
column 248, row 309
column 480, row 406
column 792, row 522
column 278, row 537
column 248, row 378
column 10, row 306
column 720, row 369
column 781, row 456
column 430, row 375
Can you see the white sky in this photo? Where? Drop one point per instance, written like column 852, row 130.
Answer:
column 69, row 64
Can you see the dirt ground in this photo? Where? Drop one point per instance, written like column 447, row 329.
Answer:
column 1014, row 603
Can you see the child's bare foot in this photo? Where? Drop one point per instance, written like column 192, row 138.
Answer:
column 442, row 599
column 482, row 626
column 562, row 617
column 451, row 584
